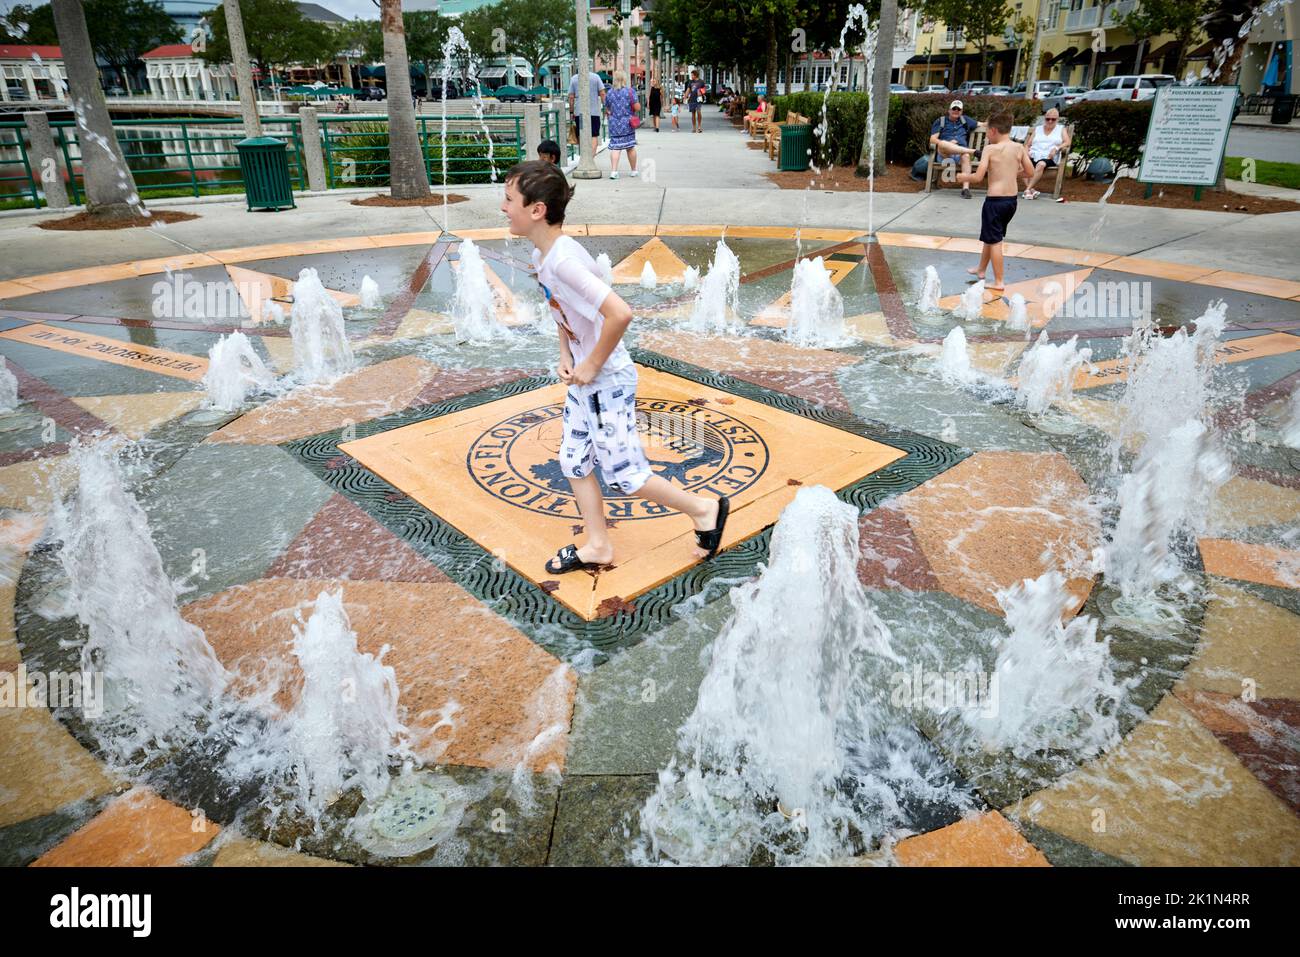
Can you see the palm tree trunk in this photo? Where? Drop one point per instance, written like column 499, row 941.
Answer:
column 243, row 69
column 771, row 55
column 109, row 185
column 882, row 65
column 407, row 176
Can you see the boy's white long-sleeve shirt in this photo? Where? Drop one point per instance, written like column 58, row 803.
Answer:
column 571, row 281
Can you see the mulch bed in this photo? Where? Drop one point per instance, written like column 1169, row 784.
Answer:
column 433, row 199
column 1129, row 192
column 90, row 221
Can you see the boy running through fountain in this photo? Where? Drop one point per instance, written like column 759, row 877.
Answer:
column 600, row 406
column 1004, row 160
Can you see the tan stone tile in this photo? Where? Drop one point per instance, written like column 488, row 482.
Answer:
column 777, row 312
column 911, row 240
column 697, row 231
column 1243, row 502
column 507, row 310
column 667, row 265
column 1245, row 638
column 419, row 323
column 136, row 415
column 10, row 656
column 1221, row 713
column 1265, row 564
column 982, row 840
column 1232, row 350
column 986, row 522
column 14, row 288
column 1179, row 272
column 993, row 358
column 51, row 281
column 736, row 354
column 358, row 397
column 625, row 230
column 138, row 829
column 148, row 267
column 255, row 288
column 42, row 767
column 280, row 351
column 1169, row 795
column 872, row 328
column 962, row 245
column 788, row 232
column 1076, row 257
column 474, row 690
column 179, row 365
column 424, row 238
column 26, row 485
column 281, row 250
column 243, row 852
column 1256, row 285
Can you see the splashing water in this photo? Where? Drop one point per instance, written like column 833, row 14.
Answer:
column 1054, row 685
column 320, row 342
column 272, row 312
column 781, row 751
column 1047, row 373
column 816, row 307
column 369, row 293
column 456, row 41
column 1169, row 379
column 160, row 672
column 931, row 290
column 344, row 729
column 8, row 388
column 235, row 371
column 971, row 306
column 1291, row 428
column 648, row 278
column 473, row 308
column 690, row 279
column 1168, row 495
column 1019, row 316
column 954, row 359
column 606, row 268
column 718, row 299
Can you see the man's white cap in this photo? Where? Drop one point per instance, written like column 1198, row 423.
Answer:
column 956, row 105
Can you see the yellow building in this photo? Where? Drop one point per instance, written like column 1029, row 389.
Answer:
column 1067, row 32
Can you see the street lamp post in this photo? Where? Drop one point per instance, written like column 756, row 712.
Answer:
column 586, row 168
column 1040, row 24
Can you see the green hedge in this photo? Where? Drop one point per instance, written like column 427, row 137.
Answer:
column 1111, row 129
column 910, row 118
column 366, row 146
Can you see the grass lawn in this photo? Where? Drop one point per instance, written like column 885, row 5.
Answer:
column 1267, row 172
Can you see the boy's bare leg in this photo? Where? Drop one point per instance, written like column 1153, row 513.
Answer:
column 996, row 258
column 984, row 262
column 591, row 505
column 703, row 511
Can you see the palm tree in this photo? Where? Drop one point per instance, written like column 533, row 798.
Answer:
column 243, row 69
column 408, row 178
column 109, row 186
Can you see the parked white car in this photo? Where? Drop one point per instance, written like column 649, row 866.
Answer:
column 1042, row 89
column 934, row 88
column 1127, row 87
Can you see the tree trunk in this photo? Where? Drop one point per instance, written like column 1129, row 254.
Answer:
column 771, row 55
column 882, row 65
column 243, row 69
column 808, row 72
column 109, row 186
column 407, row 176
column 789, row 73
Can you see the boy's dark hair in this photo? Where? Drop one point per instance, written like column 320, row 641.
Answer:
column 549, row 148
column 1001, row 121
column 541, row 182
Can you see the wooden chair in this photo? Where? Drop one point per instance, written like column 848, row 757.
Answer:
column 758, row 124
column 772, row 144
column 934, row 166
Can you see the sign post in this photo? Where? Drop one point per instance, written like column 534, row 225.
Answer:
column 1187, row 136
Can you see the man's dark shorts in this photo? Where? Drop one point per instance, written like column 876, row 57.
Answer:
column 595, row 127
column 997, row 212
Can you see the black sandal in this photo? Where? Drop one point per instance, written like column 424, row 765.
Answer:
column 711, row 541
column 569, row 562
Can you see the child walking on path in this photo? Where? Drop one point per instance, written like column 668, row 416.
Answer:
column 1004, row 161
column 600, row 406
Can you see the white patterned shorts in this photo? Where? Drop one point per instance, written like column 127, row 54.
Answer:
column 600, row 429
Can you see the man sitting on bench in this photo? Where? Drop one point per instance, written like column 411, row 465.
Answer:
column 950, row 137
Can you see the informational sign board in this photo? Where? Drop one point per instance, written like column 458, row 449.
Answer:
column 1187, row 135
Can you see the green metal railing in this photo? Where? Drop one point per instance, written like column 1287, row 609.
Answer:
column 356, row 148
column 553, row 128
column 197, row 156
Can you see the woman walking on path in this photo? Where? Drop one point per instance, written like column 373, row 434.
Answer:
column 622, row 105
column 656, row 103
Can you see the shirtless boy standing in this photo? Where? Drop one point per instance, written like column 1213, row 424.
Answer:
column 1004, row 160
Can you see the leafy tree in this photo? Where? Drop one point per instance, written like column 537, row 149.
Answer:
column 982, row 19
column 1154, row 17
column 26, row 23
column 276, row 32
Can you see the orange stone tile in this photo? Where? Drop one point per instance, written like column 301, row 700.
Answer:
column 120, row 352
column 147, row 267
column 985, row 523
column 418, row 239
column 13, row 288
column 641, row 230
column 911, row 240
column 49, row 282
column 574, row 229
column 667, row 265
column 505, row 501
column 255, row 288
column 732, row 354
column 697, row 231
column 357, row 397
column 1221, row 713
column 1256, row 285
column 490, row 232
column 1076, row 257
column 138, row 829
column 472, row 689
column 241, row 254
column 1179, row 272
column 1231, row 350
column 959, row 244
column 1265, row 564
column 985, row 840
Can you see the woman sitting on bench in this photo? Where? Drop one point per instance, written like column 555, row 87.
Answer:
column 1048, row 145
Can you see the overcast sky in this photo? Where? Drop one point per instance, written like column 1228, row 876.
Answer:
column 349, row 9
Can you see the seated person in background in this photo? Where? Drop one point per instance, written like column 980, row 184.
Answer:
column 549, row 150
column 1048, row 146
column 950, row 136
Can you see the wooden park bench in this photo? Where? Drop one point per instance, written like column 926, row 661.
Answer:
column 933, row 169
column 756, row 122
column 978, row 139
column 772, row 142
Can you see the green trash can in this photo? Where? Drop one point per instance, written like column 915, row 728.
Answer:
column 264, row 163
column 796, row 147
